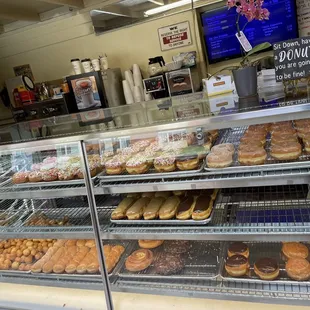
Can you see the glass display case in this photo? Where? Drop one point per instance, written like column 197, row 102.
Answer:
column 206, row 200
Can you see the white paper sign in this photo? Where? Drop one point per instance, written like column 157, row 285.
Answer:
column 175, row 36
column 303, row 13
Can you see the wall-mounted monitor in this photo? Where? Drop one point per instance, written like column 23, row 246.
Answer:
column 219, row 29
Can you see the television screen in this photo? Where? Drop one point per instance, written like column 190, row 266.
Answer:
column 219, row 29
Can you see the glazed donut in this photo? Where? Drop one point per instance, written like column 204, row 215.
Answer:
column 50, row 175
column 298, row 269
column 294, row 249
column 248, row 144
column 219, row 160
column 302, row 122
column 306, row 145
column 286, row 151
column 137, row 165
column 259, row 127
column 139, row 260
column 20, row 177
column 284, row 132
column 284, row 138
column 253, row 139
column 35, row 176
column 218, row 149
column 281, row 125
column 252, row 156
column 237, row 265
column 267, row 268
column 150, row 244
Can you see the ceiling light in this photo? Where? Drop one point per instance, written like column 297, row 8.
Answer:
column 156, row 2
column 174, row 5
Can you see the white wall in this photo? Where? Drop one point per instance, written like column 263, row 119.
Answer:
column 49, row 46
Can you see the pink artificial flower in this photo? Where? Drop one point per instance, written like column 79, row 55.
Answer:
column 251, row 9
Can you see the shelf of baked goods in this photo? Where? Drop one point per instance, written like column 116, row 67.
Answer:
column 268, row 154
column 273, row 271
column 50, row 218
column 61, row 263
column 260, row 213
column 54, row 176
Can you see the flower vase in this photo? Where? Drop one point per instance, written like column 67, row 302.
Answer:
column 246, row 81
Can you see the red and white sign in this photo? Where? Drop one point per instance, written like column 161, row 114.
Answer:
column 175, row 36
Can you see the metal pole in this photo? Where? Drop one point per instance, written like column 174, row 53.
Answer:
column 96, row 226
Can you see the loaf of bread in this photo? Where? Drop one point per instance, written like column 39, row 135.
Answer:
column 89, row 262
column 48, row 267
column 77, row 259
column 113, row 256
column 38, row 266
column 60, row 265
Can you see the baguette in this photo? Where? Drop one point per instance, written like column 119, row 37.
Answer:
column 38, row 266
column 60, row 266
column 77, row 259
column 48, row 267
column 89, row 259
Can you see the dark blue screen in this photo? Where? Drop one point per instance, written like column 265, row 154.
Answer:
column 219, row 29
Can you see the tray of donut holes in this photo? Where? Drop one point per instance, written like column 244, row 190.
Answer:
column 173, row 208
column 268, row 262
column 18, row 255
column 178, row 259
column 260, row 147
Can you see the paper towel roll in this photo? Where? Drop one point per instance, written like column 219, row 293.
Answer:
column 129, row 79
column 127, row 92
column 137, row 94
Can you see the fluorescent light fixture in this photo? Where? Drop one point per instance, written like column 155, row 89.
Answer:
column 98, row 12
column 174, row 5
column 156, row 2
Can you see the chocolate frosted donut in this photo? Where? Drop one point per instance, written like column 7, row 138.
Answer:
column 176, row 246
column 266, row 268
column 239, row 248
column 168, row 263
column 237, row 265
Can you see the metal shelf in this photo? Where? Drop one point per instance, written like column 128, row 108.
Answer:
column 207, row 180
column 298, row 294
column 85, row 282
column 8, row 190
column 279, row 213
column 80, row 226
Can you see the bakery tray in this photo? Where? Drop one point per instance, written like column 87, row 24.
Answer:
column 202, row 261
column 233, row 135
column 260, row 250
column 76, row 276
column 151, row 174
column 163, row 222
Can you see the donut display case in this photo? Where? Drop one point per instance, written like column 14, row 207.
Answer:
column 215, row 206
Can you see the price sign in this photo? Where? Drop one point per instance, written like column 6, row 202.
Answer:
column 292, row 59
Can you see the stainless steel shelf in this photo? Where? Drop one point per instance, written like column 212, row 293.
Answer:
column 12, row 191
column 85, row 282
column 79, row 227
column 298, row 294
column 207, row 180
column 279, row 213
